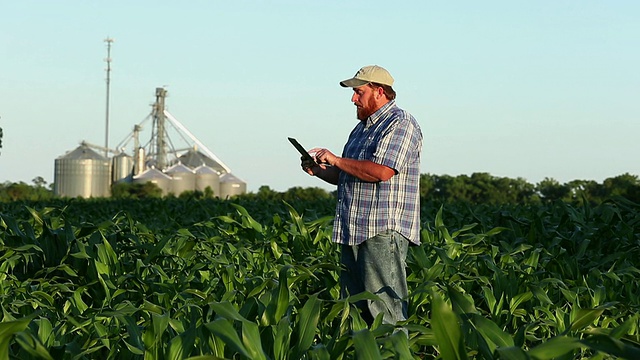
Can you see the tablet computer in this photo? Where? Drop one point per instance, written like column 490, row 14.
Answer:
column 301, row 150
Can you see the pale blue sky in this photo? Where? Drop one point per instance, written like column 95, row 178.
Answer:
column 529, row 89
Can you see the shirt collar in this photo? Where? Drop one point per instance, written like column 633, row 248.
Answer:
column 371, row 120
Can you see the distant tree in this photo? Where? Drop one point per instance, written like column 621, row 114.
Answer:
column 209, row 193
column 0, row 139
column 135, row 190
column 482, row 189
column 39, row 181
column 550, row 190
column 39, row 191
column 524, row 191
column 18, row 191
column 478, row 188
column 625, row 185
column 443, row 187
column 265, row 193
column 120, row 190
column 310, row 193
column 21, row 191
column 197, row 194
column 586, row 190
column 427, row 184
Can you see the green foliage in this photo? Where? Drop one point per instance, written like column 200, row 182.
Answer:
column 482, row 188
column 125, row 190
column 539, row 282
column 178, row 278
column 478, row 188
column 21, row 191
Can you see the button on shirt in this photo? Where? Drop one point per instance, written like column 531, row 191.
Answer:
column 390, row 137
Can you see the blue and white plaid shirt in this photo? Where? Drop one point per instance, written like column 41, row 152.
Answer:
column 391, row 137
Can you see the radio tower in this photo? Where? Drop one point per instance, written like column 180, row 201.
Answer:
column 108, row 61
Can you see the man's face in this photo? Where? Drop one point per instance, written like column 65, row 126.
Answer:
column 364, row 98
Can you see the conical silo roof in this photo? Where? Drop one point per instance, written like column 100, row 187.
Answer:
column 204, row 169
column 194, row 159
column 178, row 168
column 152, row 174
column 230, row 178
column 82, row 152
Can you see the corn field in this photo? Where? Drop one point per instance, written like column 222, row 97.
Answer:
column 214, row 279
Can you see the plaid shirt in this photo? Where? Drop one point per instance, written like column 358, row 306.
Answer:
column 391, row 137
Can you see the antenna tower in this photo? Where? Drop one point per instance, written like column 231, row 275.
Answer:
column 109, row 41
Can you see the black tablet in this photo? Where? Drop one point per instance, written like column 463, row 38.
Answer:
column 301, row 150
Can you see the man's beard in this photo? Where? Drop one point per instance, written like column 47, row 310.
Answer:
column 363, row 112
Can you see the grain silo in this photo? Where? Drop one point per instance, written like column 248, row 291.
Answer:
column 207, row 177
column 121, row 168
column 182, row 179
column 82, row 173
column 86, row 173
column 230, row 186
column 155, row 176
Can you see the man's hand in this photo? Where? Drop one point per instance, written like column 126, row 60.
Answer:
column 319, row 167
column 308, row 165
column 323, row 157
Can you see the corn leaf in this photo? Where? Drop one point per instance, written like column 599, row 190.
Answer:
column 305, row 327
column 512, row 353
column 491, row 332
column 282, row 301
column 282, row 339
column 7, row 330
column 251, row 340
column 612, row 346
column 223, row 329
column 584, row 318
column 461, row 303
column 365, row 345
column 226, row 310
column 446, row 327
column 32, row 345
column 555, row 347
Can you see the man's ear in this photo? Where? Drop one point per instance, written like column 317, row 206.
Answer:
column 379, row 92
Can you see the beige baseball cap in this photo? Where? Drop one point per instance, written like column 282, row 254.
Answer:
column 369, row 74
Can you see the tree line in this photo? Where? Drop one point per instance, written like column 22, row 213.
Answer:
column 476, row 188
column 485, row 188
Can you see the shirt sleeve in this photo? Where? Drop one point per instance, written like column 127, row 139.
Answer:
column 398, row 144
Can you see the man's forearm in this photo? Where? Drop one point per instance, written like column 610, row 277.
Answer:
column 329, row 174
column 364, row 169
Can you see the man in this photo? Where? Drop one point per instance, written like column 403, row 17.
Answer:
column 378, row 209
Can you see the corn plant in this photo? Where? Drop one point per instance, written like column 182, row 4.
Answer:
column 186, row 279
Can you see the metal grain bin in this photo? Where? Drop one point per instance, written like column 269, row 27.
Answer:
column 139, row 162
column 153, row 175
column 122, row 168
column 82, row 172
column 182, row 179
column 207, row 177
column 230, row 185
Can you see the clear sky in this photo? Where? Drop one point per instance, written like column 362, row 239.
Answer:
column 529, row 89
